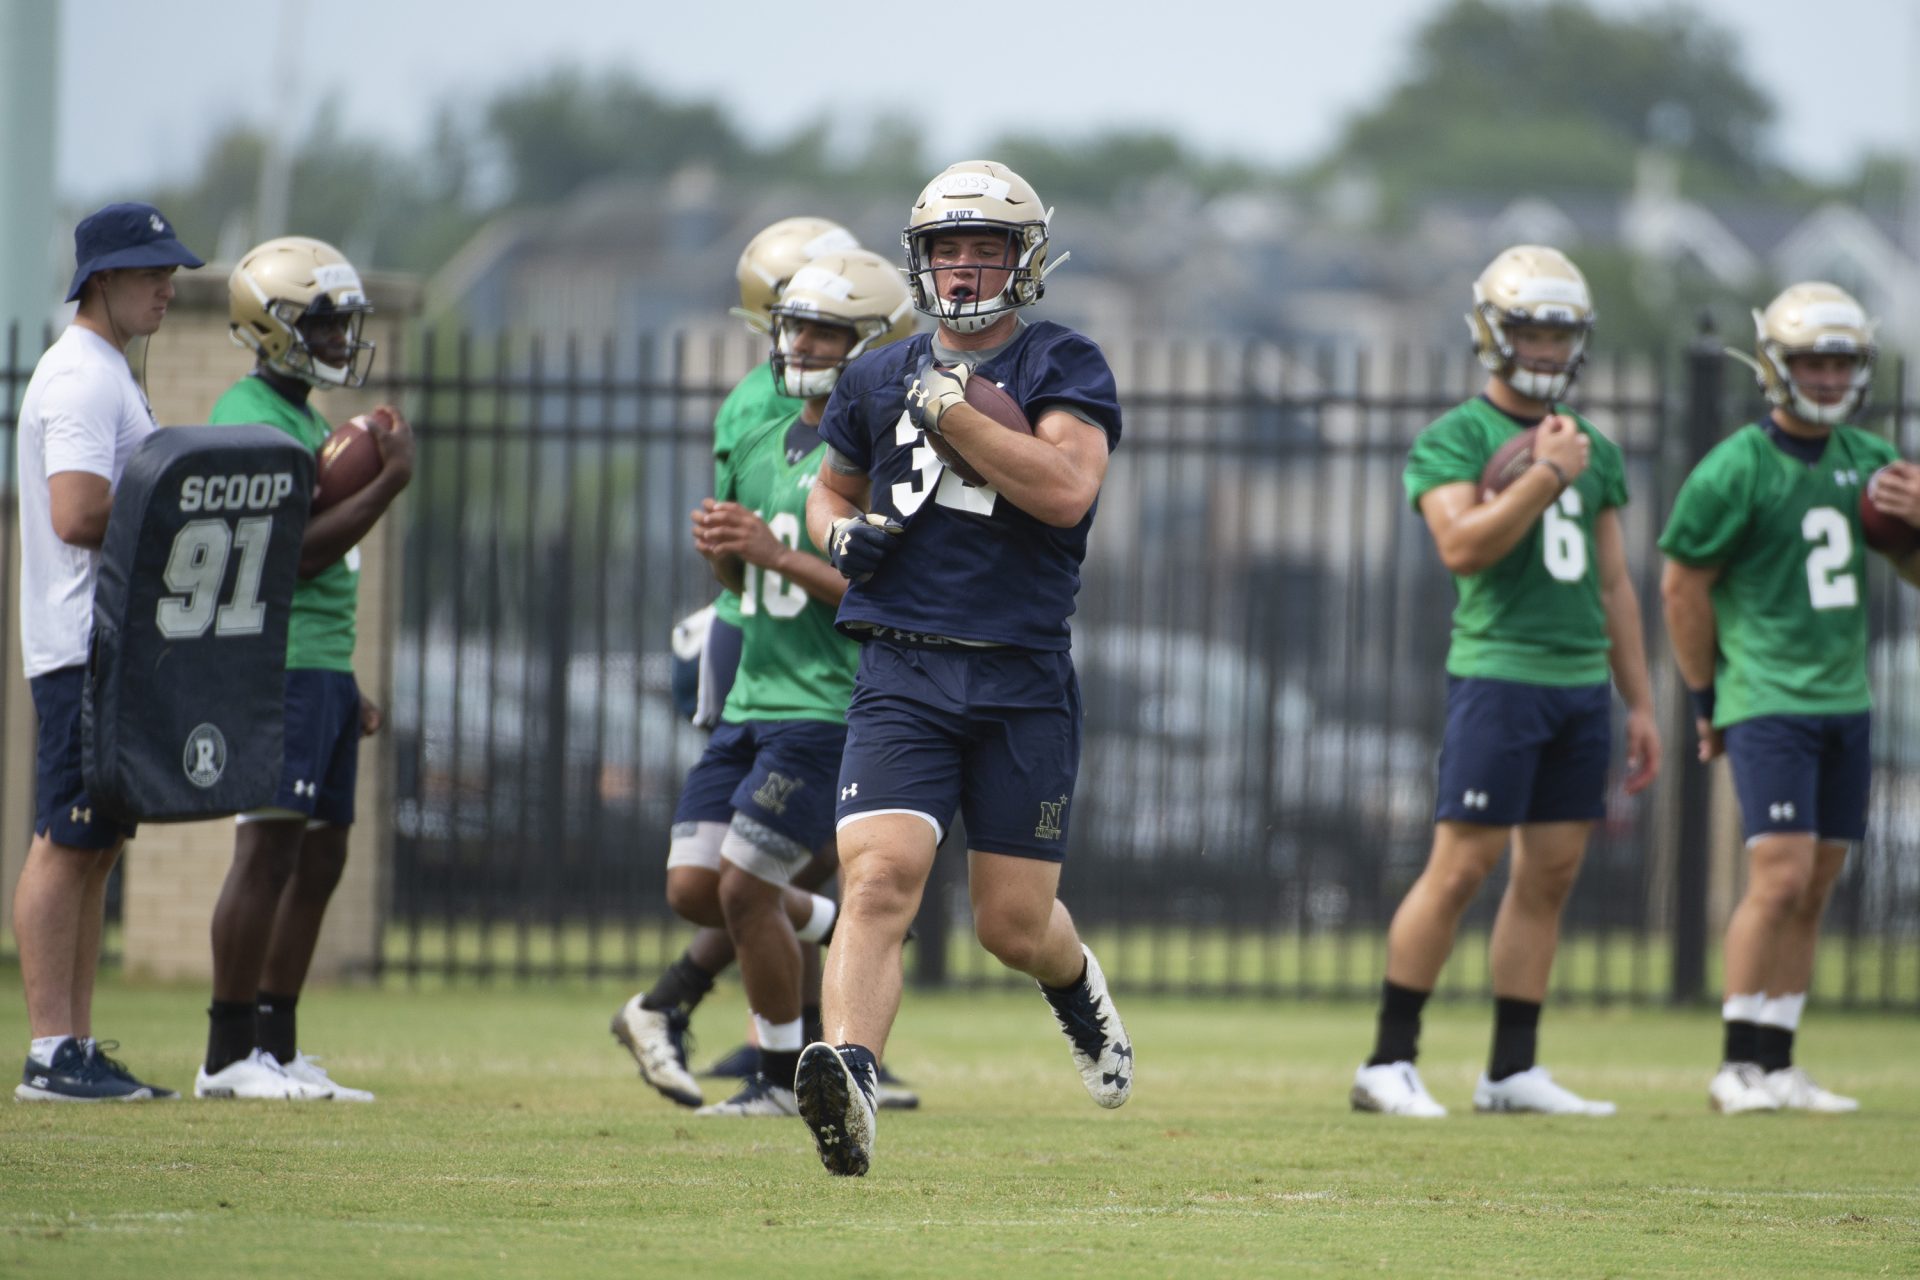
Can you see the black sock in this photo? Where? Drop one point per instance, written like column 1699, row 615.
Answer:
column 682, row 986
column 230, row 1033
column 1772, row 1047
column 1516, row 1032
column 274, row 1029
column 1055, row 995
column 812, row 1029
column 778, row 1066
column 1743, row 1042
column 1398, row 1037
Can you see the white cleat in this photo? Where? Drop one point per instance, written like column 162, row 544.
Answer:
column 1794, row 1090
column 653, row 1038
column 1101, row 1051
column 1393, row 1089
column 838, row 1109
column 757, row 1097
column 309, row 1071
column 258, row 1075
column 1738, row 1088
column 1533, row 1092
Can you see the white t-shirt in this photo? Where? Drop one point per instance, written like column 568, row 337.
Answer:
column 82, row 412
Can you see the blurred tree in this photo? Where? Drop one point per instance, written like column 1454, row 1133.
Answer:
column 1504, row 96
column 1108, row 167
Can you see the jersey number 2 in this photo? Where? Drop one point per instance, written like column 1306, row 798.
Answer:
column 1828, row 582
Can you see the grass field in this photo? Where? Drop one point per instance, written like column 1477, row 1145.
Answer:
column 512, row 1138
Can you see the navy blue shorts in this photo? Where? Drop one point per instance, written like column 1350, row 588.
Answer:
column 1518, row 753
column 992, row 733
column 62, row 810
column 1798, row 774
column 778, row 772
column 322, row 758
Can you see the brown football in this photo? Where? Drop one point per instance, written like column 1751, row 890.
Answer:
column 348, row 462
column 1508, row 463
column 1884, row 532
column 991, row 399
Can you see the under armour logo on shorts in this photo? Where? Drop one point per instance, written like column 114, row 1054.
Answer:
column 1781, row 811
column 1474, row 799
column 80, row 816
column 849, row 791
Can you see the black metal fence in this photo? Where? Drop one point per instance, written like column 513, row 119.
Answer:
column 1260, row 639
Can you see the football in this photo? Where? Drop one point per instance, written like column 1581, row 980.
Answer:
column 1508, row 463
column 1884, row 532
column 348, row 462
column 992, row 400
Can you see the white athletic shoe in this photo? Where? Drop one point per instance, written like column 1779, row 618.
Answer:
column 309, row 1071
column 757, row 1097
column 1393, row 1089
column 1794, row 1090
column 653, row 1038
column 1534, row 1091
column 1739, row 1087
column 258, row 1075
column 1101, row 1050
column 838, row 1109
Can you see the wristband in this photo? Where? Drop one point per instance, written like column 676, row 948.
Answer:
column 1702, row 700
column 1549, row 462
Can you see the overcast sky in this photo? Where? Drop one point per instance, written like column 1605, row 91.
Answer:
column 144, row 85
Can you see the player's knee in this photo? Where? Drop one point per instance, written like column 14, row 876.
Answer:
column 1455, row 884
column 745, row 898
column 321, row 866
column 1545, row 888
column 1013, row 941
column 694, row 896
column 1780, row 894
column 877, row 893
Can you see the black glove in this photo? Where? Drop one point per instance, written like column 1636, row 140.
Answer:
column 857, row 544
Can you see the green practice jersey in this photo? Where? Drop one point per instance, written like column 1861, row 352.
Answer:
column 793, row 664
column 1790, row 604
column 321, row 627
column 1535, row 616
column 753, row 402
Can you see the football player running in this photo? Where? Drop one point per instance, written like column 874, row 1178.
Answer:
column 1766, row 607
column 298, row 305
column 966, row 698
column 769, row 774
column 1545, row 609
column 653, row 1024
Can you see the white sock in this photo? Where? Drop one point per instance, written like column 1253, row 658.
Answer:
column 1743, row 1008
column 824, row 912
column 1783, row 1011
column 779, row 1037
column 44, row 1047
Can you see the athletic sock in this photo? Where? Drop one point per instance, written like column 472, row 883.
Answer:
column 274, row 1027
column 1516, row 1033
column 43, row 1048
column 819, row 925
column 1777, row 1021
column 682, row 986
column 813, row 1029
column 1398, row 1036
column 1743, row 1042
column 230, row 1033
column 1772, row 1047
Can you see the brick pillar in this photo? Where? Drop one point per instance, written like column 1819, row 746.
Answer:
column 174, row 871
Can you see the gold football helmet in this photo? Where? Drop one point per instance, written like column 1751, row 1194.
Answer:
column 1814, row 318
column 281, row 285
column 979, row 195
column 857, row 290
column 1530, row 284
column 771, row 258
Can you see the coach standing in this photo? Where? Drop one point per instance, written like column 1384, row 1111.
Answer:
column 81, row 419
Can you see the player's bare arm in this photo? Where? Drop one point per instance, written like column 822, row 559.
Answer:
column 80, row 503
column 1628, row 655
column 1687, row 595
column 1054, row 475
column 1472, row 535
column 731, row 533
column 839, row 495
column 343, row 526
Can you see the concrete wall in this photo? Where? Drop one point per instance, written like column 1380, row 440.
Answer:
column 173, row 872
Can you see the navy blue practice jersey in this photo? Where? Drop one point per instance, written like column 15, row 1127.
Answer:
column 971, row 565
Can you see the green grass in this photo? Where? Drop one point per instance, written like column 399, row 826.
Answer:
column 511, row 1138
